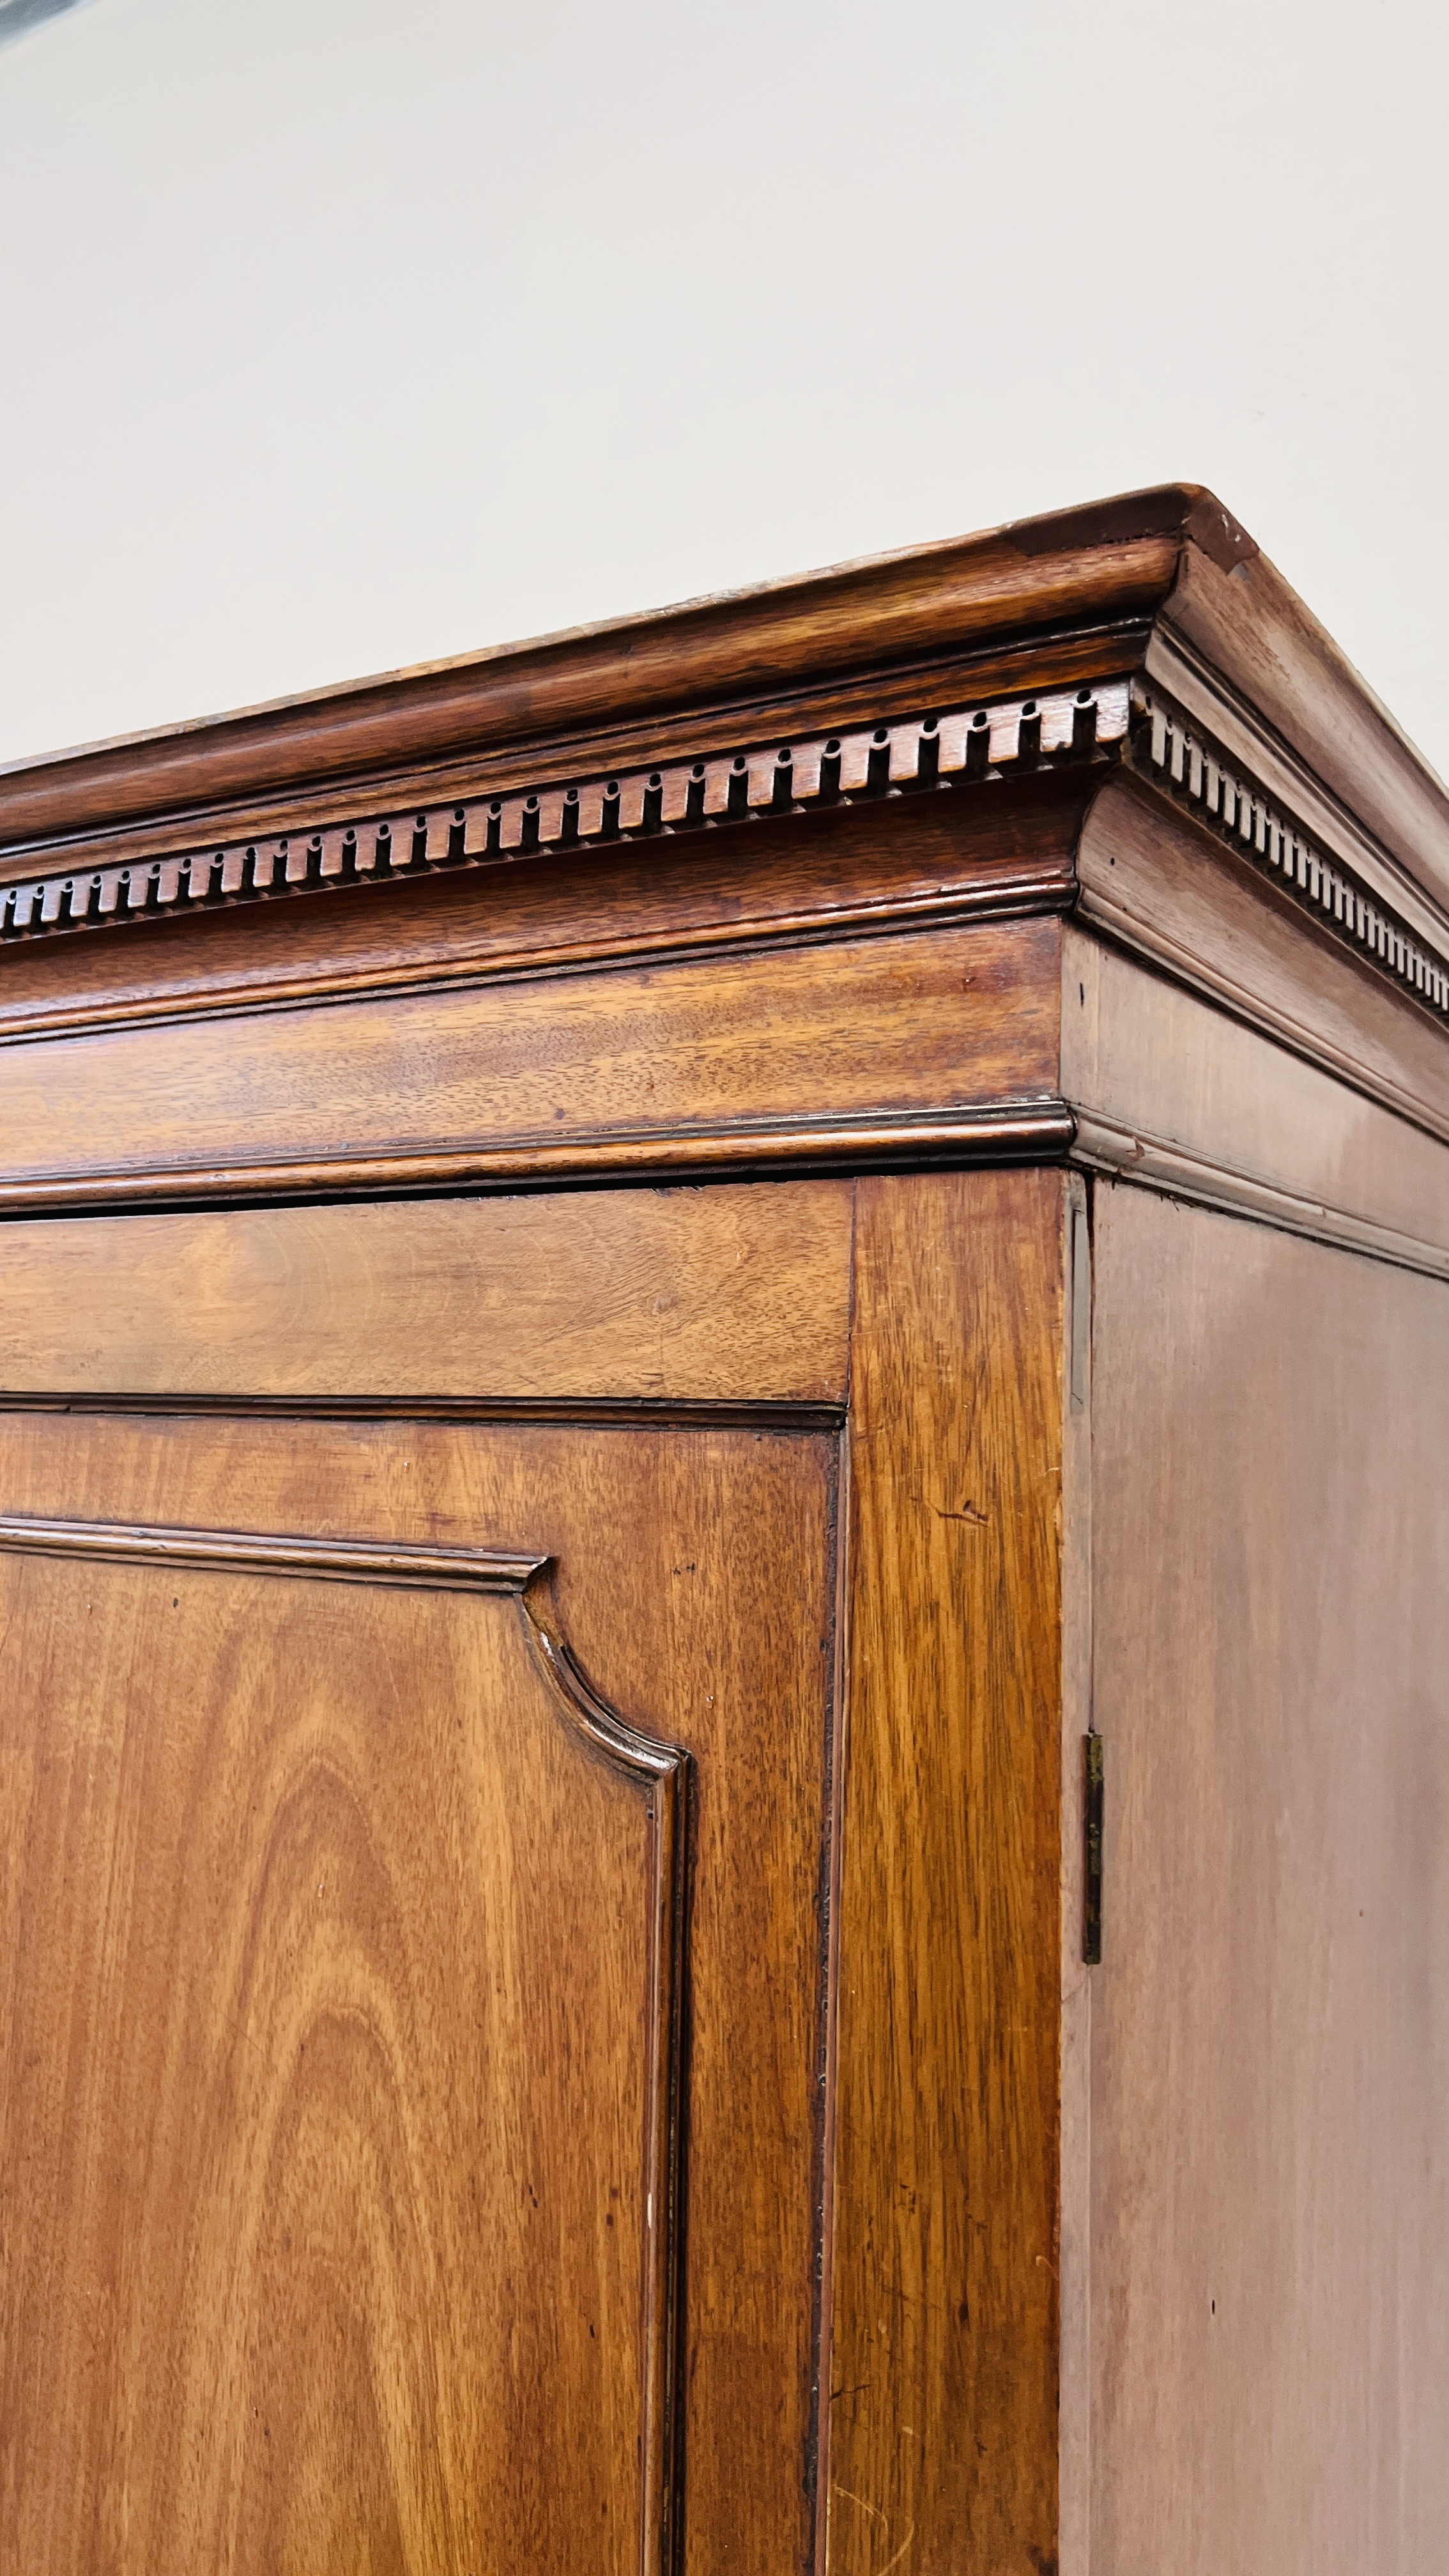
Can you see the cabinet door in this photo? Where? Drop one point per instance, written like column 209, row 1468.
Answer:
column 417, row 1776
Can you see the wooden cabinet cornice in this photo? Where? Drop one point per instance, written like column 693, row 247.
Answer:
column 723, row 1396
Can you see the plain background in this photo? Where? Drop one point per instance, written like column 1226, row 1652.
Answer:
column 337, row 334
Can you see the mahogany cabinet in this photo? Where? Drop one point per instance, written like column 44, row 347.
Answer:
column 724, row 1453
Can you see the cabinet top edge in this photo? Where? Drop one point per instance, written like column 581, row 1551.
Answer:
column 1172, row 552
column 1111, row 561
column 1164, row 583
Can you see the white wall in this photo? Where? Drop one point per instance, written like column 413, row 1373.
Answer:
column 336, row 334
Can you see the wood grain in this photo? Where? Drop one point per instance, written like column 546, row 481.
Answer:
column 1192, row 1102
column 1041, row 660
column 1155, row 883
column 1074, row 2260
column 681, row 1295
column 1199, row 745
column 541, row 2012
column 303, row 1881
column 305, row 2204
column 943, row 2438
column 997, row 847
column 1085, row 567
column 1270, row 2117
column 777, row 1050
column 701, row 795
column 1254, row 633
column 1039, row 1130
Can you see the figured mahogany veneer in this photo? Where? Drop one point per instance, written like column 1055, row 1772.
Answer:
column 655, row 1288
column 197, row 2501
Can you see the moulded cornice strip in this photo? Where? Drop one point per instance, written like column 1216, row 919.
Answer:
column 1180, row 675
column 924, row 752
column 1126, row 1153
column 1186, row 965
column 1018, row 1130
column 1194, row 769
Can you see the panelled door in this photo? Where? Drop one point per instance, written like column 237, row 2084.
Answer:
column 418, row 1717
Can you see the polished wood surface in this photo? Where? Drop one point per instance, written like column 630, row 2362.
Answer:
column 589, row 819
column 1270, row 2024
column 1225, row 933
column 1166, row 581
column 602, row 1296
column 794, row 1053
column 834, row 874
column 280, row 2075
column 336, row 2026
column 1210, row 1109
column 280, row 1300
column 933, row 605
column 1074, row 2169
column 597, row 1392
column 1291, row 683
column 943, row 2435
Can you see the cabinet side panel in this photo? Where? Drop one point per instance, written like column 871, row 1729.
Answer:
column 1270, row 2117
column 943, row 2441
